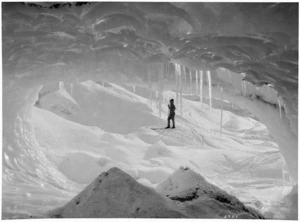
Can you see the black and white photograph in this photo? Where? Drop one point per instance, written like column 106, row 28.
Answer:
column 148, row 109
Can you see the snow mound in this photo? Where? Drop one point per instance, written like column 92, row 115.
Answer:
column 114, row 194
column 155, row 174
column 181, row 182
column 79, row 167
column 59, row 102
column 83, row 168
column 201, row 199
column 158, row 149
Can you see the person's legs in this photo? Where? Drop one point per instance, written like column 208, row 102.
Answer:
column 173, row 120
column 169, row 118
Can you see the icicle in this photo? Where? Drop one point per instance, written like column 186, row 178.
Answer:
column 197, row 86
column 242, row 86
column 177, row 70
column 221, row 112
column 279, row 106
column 191, row 84
column 209, row 87
column 161, row 86
column 162, row 83
column 253, row 92
column 201, row 86
column 180, row 76
column 284, row 109
column 61, row 84
column 133, row 88
column 229, row 75
column 71, row 88
column 185, row 77
column 283, row 171
column 150, row 84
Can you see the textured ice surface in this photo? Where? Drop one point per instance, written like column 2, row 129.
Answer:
column 54, row 120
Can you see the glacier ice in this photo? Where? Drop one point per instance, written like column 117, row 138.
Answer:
column 135, row 57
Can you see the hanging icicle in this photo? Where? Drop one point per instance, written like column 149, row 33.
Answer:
column 161, row 86
column 71, row 88
column 253, row 96
column 197, row 85
column 151, row 96
column 177, row 70
column 285, row 111
column 221, row 111
column 61, row 84
column 201, row 87
column 180, row 76
column 242, row 86
column 279, row 106
column 133, row 88
column 191, row 84
column 229, row 73
column 185, row 76
column 209, row 88
column 150, row 84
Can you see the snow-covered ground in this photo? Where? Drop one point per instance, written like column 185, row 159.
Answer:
column 82, row 130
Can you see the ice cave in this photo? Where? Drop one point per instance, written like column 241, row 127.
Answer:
column 85, row 94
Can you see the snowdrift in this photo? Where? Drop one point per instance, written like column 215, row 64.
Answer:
column 115, row 194
column 202, row 199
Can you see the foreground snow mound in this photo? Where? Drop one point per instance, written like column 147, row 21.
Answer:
column 198, row 198
column 115, row 194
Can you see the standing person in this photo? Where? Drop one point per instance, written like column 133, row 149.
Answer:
column 171, row 113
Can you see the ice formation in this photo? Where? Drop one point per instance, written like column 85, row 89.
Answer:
column 83, row 83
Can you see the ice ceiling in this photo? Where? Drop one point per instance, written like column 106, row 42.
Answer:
column 57, row 40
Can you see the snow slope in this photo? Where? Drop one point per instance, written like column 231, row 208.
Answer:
column 84, row 129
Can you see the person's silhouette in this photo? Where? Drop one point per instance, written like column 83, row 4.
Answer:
column 171, row 113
